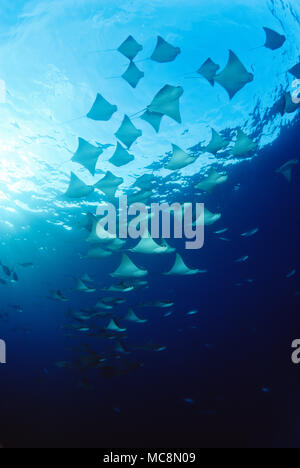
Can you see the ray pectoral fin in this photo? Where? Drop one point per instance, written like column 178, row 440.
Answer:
column 121, row 157
column 128, row 133
column 128, row 269
column 179, row 268
column 133, row 75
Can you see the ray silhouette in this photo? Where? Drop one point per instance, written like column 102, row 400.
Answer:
column 121, row 157
column 234, row 76
column 128, row 269
column 164, row 52
column 87, row 155
column 216, row 144
column 243, row 144
column 180, row 159
column 295, row 71
column 274, row 40
column 148, row 246
column 209, row 70
column 128, row 133
column 133, row 75
column 130, row 48
column 153, row 118
column 286, row 169
column 211, row 181
column 132, row 317
column 114, row 327
column 180, row 268
column 109, row 184
column 101, row 110
column 166, row 102
column 77, row 188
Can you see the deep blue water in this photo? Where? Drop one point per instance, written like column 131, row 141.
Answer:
column 226, row 378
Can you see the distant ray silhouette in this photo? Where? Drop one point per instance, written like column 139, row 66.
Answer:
column 109, row 184
column 101, row 109
column 295, row 71
column 77, row 188
column 243, row 144
column 153, row 118
column 133, row 75
column 128, row 133
column 164, row 52
column 180, row 159
column 130, row 48
column 208, row 70
column 274, row 40
column 216, row 144
column 87, row 155
column 121, row 157
column 235, row 76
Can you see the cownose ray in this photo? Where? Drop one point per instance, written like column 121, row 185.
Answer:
column 211, row 181
column 164, row 52
column 130, row 48
column 57, row 296
column 109, row 184
column 127, row 132
column 87, row 155
column 101, row 110
column 148, row 246
column 243, row 144
column 234, row 76
column 295, row 71
column 286, row 169
column 179, row 159
column 122, row 287
column 82, row 287
column 180, row 268
column 132, row 317
column 128, row 269
column 209, row 70
column 114, row 327
column 207, row 218
column 133, row 75
column 166, row 102
column 274, row 40
column 216, row 144
column 77, row 188
column 121, row 157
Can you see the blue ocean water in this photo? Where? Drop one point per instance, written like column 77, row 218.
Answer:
column 224, row 376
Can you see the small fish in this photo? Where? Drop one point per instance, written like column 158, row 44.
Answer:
column 193, row 312
column 189, row 401
column 26, row 265
column 250, row 233
column 221, row 231
column 242, row 259
column 291, row 274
